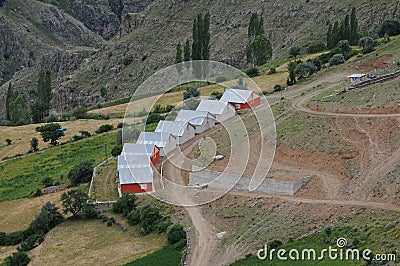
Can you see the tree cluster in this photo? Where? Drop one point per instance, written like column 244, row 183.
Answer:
column 347, row 29
column 259, row 49
column 389, row 27
column 299, row 70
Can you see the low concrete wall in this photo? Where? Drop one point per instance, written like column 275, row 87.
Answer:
column 223, row 181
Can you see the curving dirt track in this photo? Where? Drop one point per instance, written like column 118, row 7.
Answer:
column 206, row 242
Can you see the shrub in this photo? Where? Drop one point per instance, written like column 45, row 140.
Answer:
column 81, row 173
column 17, row 259
column 47, row 181
column 368, row 44
column 116, row 150
column 127, row 60
column 104, row 128
column 272, row 71
column 191, row 92
column 252, row 72
column 216, row 95
column 315, row 47
column 277, row 87
column 125, row 204
column 154, row 118
column 79, row 113
column 389, row 27
column 176, row 234
column 337, row 59
column 220, row 79
column 9, row 141
column 120, row 125
column 31, row 242
column 38, row 192
column 275, row 244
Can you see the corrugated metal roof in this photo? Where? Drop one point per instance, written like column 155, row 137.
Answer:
column 236, row 96
column 137, row 149
column 175, row 128
column 133, row 161
column 160, row 139
column 135, row 175
column 193, row 117
column 212, row 106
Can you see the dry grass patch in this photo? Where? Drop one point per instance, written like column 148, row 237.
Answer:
column 22, row 135
column 104, row 183
column 18, row 214
column 91, row 242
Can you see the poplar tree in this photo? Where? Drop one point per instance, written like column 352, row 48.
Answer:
column 9, row 99
column 353, row 27
column 186, row 51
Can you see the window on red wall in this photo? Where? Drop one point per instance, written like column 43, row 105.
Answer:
column 143, row 186
column 237, row 106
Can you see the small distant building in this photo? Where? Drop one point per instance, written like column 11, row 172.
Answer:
column 135, row 180
column 241, row 99
column 221, row 110
column 183, row 131
column 151, row 150
column 201, row 121
column 164, row 141
column 356, row 78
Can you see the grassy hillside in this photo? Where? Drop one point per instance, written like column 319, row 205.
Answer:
column 20, row 177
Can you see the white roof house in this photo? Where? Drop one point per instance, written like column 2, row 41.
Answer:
column 241, row 99
column 133, row 161
column 137, row 149
column 221, row 110
column 163, row 140
column 135, row 175
column 236, row 96
column 182, row 130
column 201, row 120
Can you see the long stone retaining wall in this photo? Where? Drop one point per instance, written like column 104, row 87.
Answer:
column 223, row 181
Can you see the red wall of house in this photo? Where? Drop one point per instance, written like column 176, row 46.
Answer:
column 248, row 105
column 135, row 188
column 155, row 157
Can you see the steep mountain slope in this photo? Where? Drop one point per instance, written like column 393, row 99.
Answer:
column 113, row 32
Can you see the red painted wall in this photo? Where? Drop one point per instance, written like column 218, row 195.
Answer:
column 135, row 188
column 155, row 157
column 248, row 105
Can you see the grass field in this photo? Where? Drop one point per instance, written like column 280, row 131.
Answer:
column 167, row 256
column 381, row 96
column 377, row 233
column 91, row 242
column 22, row 135
column 308, row 132
column 104, row 183
column 21, row 176
column 21, row 212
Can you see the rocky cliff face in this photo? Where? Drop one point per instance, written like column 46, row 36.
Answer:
column 85, row 42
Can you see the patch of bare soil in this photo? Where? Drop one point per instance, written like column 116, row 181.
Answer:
column 373, row 64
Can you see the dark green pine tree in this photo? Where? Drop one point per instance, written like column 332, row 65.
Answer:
column 195, row 45
column 186, row 51
column 329, row 37
column 346, row 28
column 178, row 56
column 260, row 27
column 335, row 34
column 353, row 27
column 206, row 37
column 40, row 109
column 19, row 114
column 252, row 29
column 10, row 98
column 200, row 36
